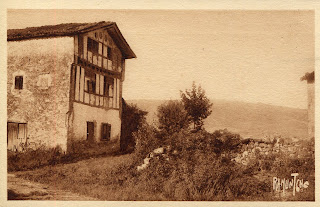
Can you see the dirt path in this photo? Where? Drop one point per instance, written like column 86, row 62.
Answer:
column 21, row 189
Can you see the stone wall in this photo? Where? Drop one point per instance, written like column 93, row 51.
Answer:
column 43, row 102
column 254, row 149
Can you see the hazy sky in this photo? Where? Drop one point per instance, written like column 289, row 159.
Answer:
column 252, row 56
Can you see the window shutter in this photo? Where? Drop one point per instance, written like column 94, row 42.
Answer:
column 109, row 131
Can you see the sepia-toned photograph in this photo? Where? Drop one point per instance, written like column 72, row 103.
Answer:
column 160, row 105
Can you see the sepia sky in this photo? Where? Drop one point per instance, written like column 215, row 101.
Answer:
column 251, row 56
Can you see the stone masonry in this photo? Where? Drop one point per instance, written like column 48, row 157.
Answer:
column 43, row 101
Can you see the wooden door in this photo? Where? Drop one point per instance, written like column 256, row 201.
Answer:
column 90, row 131
column 17, row 136
column 22, row 135
column 12, row 135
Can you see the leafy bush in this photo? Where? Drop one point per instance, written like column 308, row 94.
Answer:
column 226, row 141
column 194, row 168
column 196, row 104
column 172, row 117
column 147, row 139
column 131, row 119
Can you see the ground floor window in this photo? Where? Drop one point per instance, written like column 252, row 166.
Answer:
column 18, row 82
column 105, row 131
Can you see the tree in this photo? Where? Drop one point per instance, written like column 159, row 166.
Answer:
column 172, row 117
column 132, row 119
column 197, row 105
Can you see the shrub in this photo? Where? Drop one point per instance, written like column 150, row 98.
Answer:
column 226, row 141
column 196, row 104
column 194, row 169
column 147, row 140
column 132, row 118
column 172, row 117
column 198, row 174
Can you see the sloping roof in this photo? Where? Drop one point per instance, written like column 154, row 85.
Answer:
column 309, row 77
column 71, row 29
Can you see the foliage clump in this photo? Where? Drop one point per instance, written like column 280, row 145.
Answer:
column 172, row 117
column 132, row 119
column 196, row 104
column 197, row 167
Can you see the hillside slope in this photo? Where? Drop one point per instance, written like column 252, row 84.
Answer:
column 248, row 119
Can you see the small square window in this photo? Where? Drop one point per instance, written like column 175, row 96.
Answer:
column 18, row 82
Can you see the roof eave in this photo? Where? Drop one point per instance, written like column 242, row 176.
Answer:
column 121, row 42
column 111, row 27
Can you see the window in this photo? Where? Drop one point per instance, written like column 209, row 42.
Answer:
column 90, row 79
column 91, row 86
column 18, row 82
column 105, row 131
column 109, row 53
column 93, row 46
column 108, row 86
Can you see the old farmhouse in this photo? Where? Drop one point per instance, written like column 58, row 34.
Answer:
column 64, row 83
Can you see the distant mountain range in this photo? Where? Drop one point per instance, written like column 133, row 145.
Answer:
column 253, row 120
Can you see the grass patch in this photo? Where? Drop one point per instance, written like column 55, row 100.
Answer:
column 42, row 156
column 201, row 170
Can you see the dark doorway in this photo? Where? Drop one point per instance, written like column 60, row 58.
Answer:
column 90, row 131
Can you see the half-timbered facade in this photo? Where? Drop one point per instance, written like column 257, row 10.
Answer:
column 65, row 83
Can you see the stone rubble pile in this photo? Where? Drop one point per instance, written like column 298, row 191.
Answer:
column 255, row 148
column 251, row 150
column 161, row 151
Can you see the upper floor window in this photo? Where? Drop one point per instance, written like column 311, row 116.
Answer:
column 93, row 46
column 108, row 86
column 91, row 86
column 18, row 82
column 109, row 53
column 90, row 80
